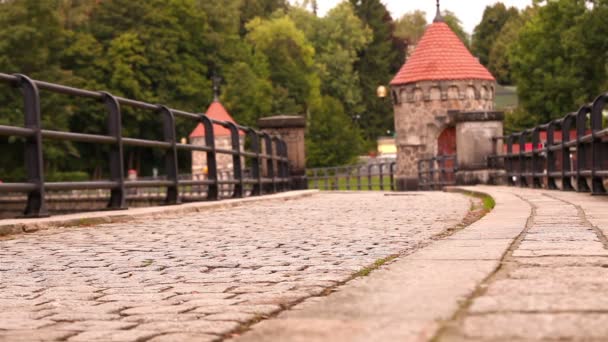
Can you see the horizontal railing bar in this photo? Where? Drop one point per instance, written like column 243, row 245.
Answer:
column 68, row 90
column 147, row 183
column 81, row 137
column 17, row 187
column 190, row 147
column 8, row 78
column 145, row 143
column 16, row 131
column 80, row 185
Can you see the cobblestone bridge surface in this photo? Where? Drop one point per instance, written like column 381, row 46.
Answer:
column 202, row 277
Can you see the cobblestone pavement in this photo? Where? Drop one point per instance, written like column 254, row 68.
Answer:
column 553, row 282
column 202, row 276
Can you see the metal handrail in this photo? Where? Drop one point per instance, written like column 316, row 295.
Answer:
column 582, row 158
column 434, row 174
column 273, row 154
column 351, row 177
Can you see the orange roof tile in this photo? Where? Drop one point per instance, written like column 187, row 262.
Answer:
column 217, row 112
column 440, row 55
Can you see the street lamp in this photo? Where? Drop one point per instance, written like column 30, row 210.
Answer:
column 382, row 92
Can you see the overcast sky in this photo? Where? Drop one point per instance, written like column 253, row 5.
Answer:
column 469, row 11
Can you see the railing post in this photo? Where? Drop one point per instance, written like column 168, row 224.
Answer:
column 279, row 184
column 118, row 195
column 171, row 166
column 237, row 167
column 581, row 149
column 315, row 176
column 271, row 188
column 255, row 163
column 359, row 177
column 348, row 170
column 36, row 202
column 536, row 183
column 326, row 179
column 598, row 148
column 337, row 179
column 566, row 159
column 431, row 162
column 509, row 169
column 523, row 182
column 370, row 186
column 392, row 176
column 213, row 189
column 442, row 171
column 551, row 160
column 286, row 169
column 420, row 173
column 381, row 169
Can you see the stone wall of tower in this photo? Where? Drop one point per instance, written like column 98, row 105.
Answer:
column 421, row 114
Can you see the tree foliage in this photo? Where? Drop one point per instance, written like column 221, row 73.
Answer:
column 486, row 33
column 275, row 58
column 455, row 25
column 377, row 64
column 411, row 26
column 559, row 59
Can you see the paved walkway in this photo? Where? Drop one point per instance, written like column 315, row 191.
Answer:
column 536, row 268
column 204, row 276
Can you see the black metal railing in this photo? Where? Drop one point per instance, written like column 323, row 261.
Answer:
column 378, row 176
column 266, row 153
column 436, row 172
column 573, row 156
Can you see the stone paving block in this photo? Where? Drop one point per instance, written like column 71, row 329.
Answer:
column 200, row 326
column 157, row 309
column 24, row 324
column 553, row 326
column 240, row 317
column 182, row 337
column 67, row 316
column 113, row 336
column 132, row 273
column 38, row 335
column 562, row 261
column 545, row 286
column 572, row 301
column 258, row 309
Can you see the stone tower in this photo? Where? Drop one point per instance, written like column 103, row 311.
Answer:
column 441, row 77
column 223, row 140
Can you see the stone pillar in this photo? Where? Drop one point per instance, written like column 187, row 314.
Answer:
column 291, row 128
column 474, row 133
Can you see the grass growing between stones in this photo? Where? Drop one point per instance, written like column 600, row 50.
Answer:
column 366, row 271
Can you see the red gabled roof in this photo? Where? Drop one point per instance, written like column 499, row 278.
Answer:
column 217, row 112
column 440, row 55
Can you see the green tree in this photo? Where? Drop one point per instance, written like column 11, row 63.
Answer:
column 337, row 38
column 559, row 60
column 377, row 64
column 499, row 64
column 251, row 9
column 331, row 139
column 31, row 41
column 486, row 33
column 455, row 25
column 291, row 55
column 411, row 26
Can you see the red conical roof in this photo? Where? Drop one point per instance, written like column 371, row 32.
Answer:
column 217, row 112
column 441, row 55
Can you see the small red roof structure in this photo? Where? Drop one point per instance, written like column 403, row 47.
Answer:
column 215, row 111
column 441, row 55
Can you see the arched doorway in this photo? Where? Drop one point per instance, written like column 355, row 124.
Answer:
column 446, row 146
column 446, row 143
